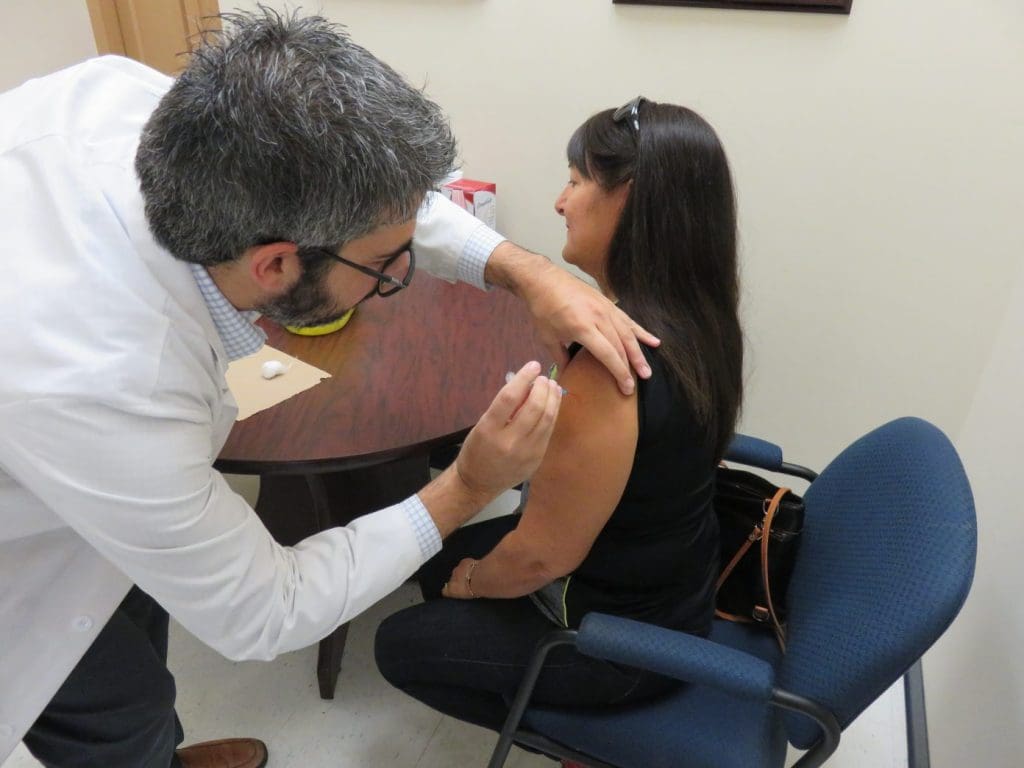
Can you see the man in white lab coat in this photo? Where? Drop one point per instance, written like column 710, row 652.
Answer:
column 286, row 171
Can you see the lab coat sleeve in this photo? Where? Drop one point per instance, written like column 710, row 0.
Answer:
column 451, row 243
column 138, row 485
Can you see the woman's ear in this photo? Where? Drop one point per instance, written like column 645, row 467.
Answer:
column 621, row 193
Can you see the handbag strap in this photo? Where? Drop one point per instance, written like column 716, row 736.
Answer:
column 760, row 532
column 755, row 534
column 766, row 525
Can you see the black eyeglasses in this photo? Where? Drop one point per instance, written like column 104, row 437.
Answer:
column 630, row 109
column 390, row 280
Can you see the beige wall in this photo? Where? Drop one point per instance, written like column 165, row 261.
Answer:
column 40, row 36
column 878, row 161
column 975, row 673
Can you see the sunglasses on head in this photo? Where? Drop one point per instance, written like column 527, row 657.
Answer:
column 630, row 110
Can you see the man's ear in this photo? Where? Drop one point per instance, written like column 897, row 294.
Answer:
column 274, row 267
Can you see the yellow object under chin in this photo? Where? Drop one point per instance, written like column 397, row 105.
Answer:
column 321, row 330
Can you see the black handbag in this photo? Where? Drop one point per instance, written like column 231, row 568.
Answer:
column 753, row 580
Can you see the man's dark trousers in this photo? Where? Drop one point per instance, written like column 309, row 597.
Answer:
column 116, row 709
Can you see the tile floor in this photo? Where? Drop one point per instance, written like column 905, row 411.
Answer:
column 371, row 725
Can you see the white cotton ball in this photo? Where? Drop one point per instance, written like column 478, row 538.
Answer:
column 273, row 368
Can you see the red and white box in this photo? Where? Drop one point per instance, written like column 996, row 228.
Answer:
column 477, row 197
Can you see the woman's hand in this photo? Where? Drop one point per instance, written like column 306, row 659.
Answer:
column 460, row 584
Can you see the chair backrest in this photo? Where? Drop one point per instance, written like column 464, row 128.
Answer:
column 885, row 564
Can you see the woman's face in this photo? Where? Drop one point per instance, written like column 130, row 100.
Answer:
column 591, row 215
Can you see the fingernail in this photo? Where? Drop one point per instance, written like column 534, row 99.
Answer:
column 629, row 386
column 645, row 371
column 533, row 367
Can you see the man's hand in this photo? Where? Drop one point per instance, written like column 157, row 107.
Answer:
column 503, row 449
column 507, row 444
column 566, row 309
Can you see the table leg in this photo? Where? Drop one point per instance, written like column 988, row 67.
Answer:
column 296, row 506
column 328, row 658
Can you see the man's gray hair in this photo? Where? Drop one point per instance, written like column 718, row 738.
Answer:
column 282, row 128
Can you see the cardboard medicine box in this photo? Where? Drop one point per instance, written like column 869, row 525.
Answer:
column 477, row 197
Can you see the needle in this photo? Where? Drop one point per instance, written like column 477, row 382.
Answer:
column 552, row 374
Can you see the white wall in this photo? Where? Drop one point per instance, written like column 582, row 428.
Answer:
column 40, row 36
column 878, row 160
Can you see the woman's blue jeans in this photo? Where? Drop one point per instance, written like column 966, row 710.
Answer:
column 466, row 657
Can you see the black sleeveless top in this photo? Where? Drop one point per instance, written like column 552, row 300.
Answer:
column 656, row 559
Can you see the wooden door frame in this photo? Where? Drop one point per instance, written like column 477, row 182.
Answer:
column 140, row 30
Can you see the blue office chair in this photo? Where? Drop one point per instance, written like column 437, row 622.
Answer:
column 885, row 564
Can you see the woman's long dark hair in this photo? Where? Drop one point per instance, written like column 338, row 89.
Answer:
column 672, row 260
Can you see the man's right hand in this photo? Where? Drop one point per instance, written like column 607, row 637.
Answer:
column 509, row 441
column 503, row 449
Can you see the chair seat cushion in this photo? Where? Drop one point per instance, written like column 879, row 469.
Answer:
column 693, row 727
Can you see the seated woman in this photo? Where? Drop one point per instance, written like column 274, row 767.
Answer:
column 618, row 517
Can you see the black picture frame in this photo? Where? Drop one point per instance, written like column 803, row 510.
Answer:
column 806, row 6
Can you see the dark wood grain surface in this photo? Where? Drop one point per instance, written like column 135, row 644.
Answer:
column 408, row 373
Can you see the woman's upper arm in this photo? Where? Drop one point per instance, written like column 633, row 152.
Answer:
column 585, row 470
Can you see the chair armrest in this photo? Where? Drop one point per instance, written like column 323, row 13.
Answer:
column 754, row 452
column 676, row 654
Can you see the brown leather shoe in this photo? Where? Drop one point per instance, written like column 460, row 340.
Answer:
column 224, row 753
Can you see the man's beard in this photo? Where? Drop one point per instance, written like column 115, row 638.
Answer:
column 308, row 303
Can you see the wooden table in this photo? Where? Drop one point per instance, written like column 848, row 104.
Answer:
column 409, row 374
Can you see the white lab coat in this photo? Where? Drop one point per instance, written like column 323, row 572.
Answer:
column 113, row 406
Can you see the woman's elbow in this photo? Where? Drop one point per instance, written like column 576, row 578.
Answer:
column 533, row 574
column 557, row 566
